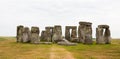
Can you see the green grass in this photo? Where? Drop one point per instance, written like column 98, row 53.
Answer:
column 9, row 49
column 95, row 51
column 1, row 39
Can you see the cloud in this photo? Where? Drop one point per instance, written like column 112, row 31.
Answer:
column 64, row 12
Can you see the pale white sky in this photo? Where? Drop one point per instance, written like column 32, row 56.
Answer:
column 43, row 13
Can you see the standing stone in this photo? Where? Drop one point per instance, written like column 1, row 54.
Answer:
column 103, row 34
column 19, row 33
column 99, row 36
column 35, row 35
column 26, row 35
column 43, row 36
column 67, row 33
column 81, row 33
column 85, row 32
column 74, row 34
column 49, row 32
column 107, row 36
column 57, row 34
column 71, row 36
column 88, row 35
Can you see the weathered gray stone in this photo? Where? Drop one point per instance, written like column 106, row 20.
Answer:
column 103, row 26
column 57, row 34
column 85, row 32
column 85, row 23
column 103, row 34
column 35, row 35
column 49, row 32
column 43, row 36
column 88, row 34
column 88, row 39
column 107, row 36
column 67, row 33
column 26, row 35
column 99, row 36
column 19, row 33
column 46, row 43
column 70, row 36
column 74, row 39
column 66, row 43
column 74, row 34
column 81, row 33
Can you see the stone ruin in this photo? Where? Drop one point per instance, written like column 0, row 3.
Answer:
column 43, row 36
column 47, row 34
column 103, row 34
column 23, row 34
column 20, row 33
column 85, row 32
column 35, row 35
column 26, row 35
column 71, row 36
column 57, row 34
column 54, row 34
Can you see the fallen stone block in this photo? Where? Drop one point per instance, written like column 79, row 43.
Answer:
column 46, row 43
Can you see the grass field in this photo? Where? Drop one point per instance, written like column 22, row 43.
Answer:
column 9, row 49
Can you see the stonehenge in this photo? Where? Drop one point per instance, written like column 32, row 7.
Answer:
column 35, row 35
column 66, row 43
column 71, row 36
column 49, row 32
column 53, row 34
column 20, row 33
column 43, row 36
column 103, row 34
column 26, row 35
column 57, row 34
column 85, row 32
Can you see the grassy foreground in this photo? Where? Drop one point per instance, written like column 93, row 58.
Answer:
column 9, row 49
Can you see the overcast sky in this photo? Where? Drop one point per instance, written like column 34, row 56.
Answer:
column 43, row 13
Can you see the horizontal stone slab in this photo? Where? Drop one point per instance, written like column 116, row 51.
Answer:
column 49, row 27
column 67, row 44
column 103, row 26
column 85, row 23
column 45, row 43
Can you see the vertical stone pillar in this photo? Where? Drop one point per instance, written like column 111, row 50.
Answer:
column 19, row 33
column 49, row 32
column 26, row 35
column 35, row 35
column 107, row 36
column 85, row 32
column 81, row 32
column 74, row 34
column 57, row 36
column 99, row 36
column 43, row 36
column 88, row 33
column 103, row 34
column 67, row 33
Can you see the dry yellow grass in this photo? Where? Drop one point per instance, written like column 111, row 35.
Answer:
column 9, row 49
column 58, row 52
